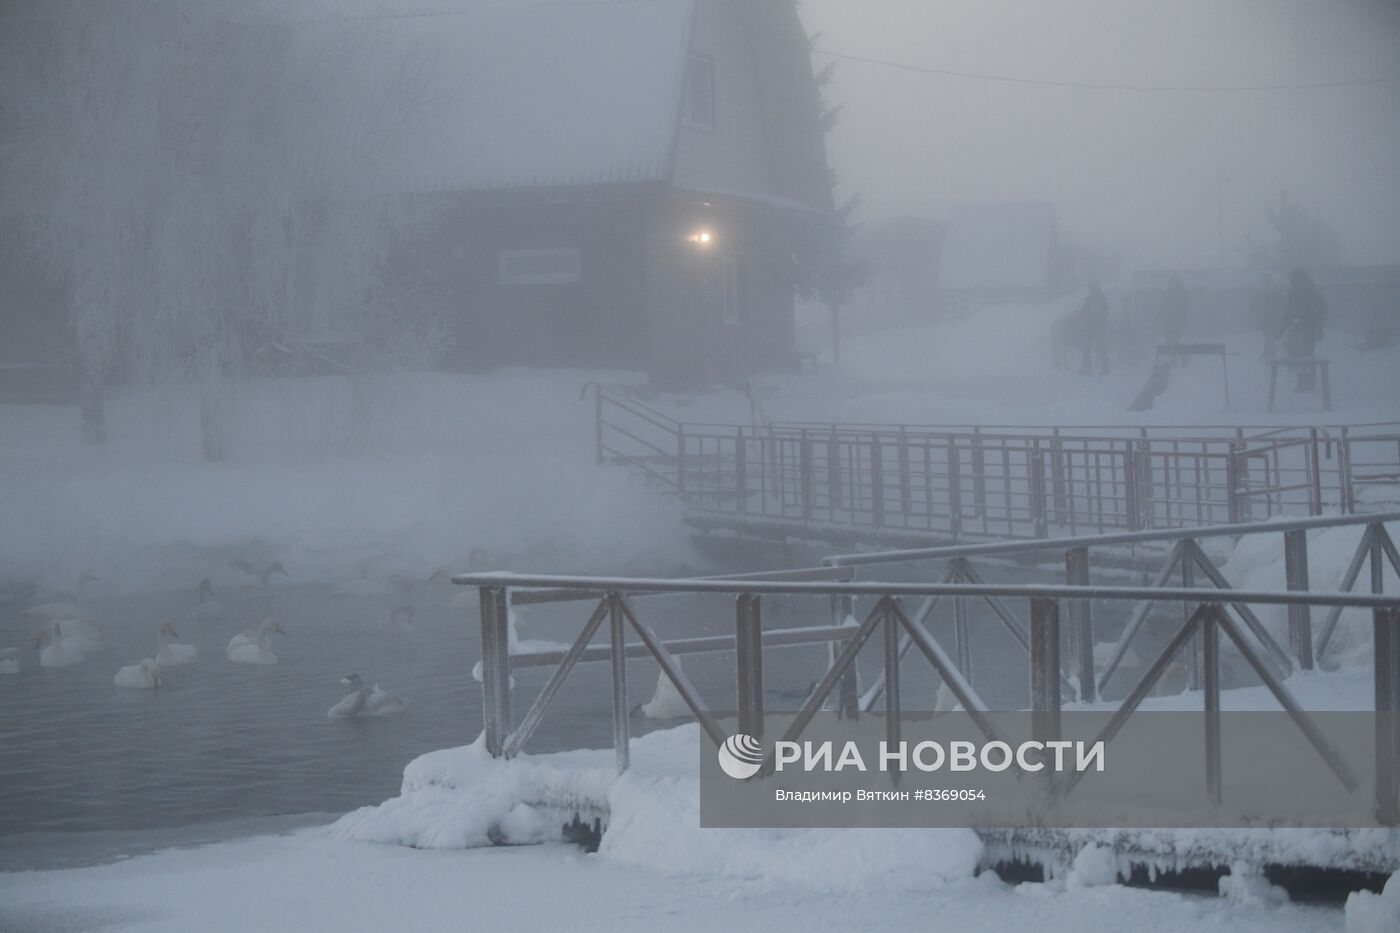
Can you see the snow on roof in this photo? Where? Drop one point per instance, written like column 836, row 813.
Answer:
column 997, row 246
column 528, row 93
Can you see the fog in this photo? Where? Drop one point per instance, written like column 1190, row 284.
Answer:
column 308, row 306
column 1145, row 172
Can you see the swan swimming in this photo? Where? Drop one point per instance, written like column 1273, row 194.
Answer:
column 143, row 676
column 251, row 646
column 170, row 653
column 264, row 575
column 364, row 701
column 666, row 702
column 56, row 648
column 9, row 661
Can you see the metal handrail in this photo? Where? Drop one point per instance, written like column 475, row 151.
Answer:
column 738, row 587
column 1001, row 548
column 1207, row 624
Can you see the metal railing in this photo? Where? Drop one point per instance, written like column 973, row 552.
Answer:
column 951, row 482
column 1207, row 622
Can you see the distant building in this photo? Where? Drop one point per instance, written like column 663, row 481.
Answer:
column 618, row 184
column 995, row 253
column 900, row 259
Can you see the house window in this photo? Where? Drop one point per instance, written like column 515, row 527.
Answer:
column 700, row 92
column 540, row 266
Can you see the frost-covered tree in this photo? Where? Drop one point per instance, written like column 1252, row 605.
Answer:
column 211, row 182
column 1296, row 239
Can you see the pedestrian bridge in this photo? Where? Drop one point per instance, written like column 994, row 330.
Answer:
column 895, row 485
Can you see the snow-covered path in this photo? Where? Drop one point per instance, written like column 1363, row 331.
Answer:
column 307, row 880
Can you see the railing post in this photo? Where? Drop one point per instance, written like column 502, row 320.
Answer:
column 1386, row 629
column 1036, row 474
column 905, row 492
column 890, row 627
column 1133, row 510
column 1045, row 669
column 1193, row 647
column 1081, row 631
column 748, row 629
column 833, row 471
column 962, row 636
column 621, row 726
column 598, row 422
column 1210, row 645
column 979, row 474
column 877, row 480
column 1314, row 474
column 1232, row 484
column 1295, row 567
column 1057, row 475
column 804, row 466
column 741, row 471
column 848, row 688
column 954, row 490
column 1348, row 492
column 1378, row 559
column 495, row 667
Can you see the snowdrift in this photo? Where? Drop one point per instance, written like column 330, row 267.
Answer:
column 461, row 798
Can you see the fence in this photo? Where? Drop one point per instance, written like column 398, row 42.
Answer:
column 954, row 482
column 1207, row 622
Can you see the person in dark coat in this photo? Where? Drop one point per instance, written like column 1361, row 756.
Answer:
column 1092, row 329
column 1306, row 316
column 1175, row 308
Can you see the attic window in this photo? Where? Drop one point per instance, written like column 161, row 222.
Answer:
column 700, row 92
column 540, row 266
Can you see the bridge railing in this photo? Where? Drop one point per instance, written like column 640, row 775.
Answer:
column 1186, row 562
column 957, row 482
column 1207, row 621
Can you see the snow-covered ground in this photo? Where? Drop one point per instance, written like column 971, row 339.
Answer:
column 429, row 469
column 309, row 880
column 655, row 869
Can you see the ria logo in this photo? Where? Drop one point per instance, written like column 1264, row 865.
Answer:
column 741, row 756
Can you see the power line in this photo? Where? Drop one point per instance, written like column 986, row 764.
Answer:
column 1091, row 86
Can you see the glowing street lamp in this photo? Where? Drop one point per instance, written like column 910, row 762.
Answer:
column 702, row 238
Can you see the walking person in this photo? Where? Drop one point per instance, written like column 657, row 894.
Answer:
column 1092, row 330
column 1305, row 314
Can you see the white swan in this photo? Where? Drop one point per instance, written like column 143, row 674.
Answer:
column 666, row 702
column 364, row 701
column 265, row 574
column 143, row 676
column 251, row 647
column 1103, row 653
column 56, row 648
column 9, row 661
column 170, row 653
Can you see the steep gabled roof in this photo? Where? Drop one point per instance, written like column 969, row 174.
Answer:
column 519, row 93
